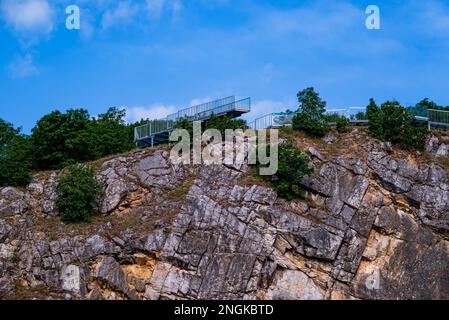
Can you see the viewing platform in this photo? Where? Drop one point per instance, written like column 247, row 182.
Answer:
column 158, row 131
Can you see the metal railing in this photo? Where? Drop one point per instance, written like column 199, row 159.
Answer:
column 192, row 112
column 241, row 106
column 438, row 117
column 272, row 120
column 152, row 127
column 218, row 108
column 281, row 119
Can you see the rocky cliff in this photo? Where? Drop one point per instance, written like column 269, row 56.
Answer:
column 375, row 226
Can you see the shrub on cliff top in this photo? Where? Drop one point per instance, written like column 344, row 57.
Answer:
column 342, row 124
column 393, row 122
column 293, row 165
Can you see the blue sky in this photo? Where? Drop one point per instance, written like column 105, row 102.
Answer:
column 155, row 56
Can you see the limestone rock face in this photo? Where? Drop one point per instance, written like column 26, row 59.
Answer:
column 294, row 285
column 110, row 274
column 436, row 147
column 117, row 184
column 375, row 225
column 71, row 279
column 12, row 202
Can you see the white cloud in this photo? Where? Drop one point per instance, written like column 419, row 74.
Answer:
column 156, row 7
column 23, row 67
column 28, row 16
column 155, row 111
column 122, row 14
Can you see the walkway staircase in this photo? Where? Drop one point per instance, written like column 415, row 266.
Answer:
column 158, row 131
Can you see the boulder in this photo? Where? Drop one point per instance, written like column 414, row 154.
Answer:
column 110, row 274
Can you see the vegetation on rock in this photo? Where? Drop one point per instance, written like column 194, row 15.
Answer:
column 395, row 123
column 342, row 125
column 293, row 165
column 77, row 192
column 61, row 139
column 15, row 163
column 310, row 117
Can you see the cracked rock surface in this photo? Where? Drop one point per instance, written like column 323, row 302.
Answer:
column 375, row 226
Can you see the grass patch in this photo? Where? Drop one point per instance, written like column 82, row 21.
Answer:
column 444, row 162
column 182, row 190
column 23, row 292
column 131, row 220
column 15, row 257
column 251, row 178
column 55, row 229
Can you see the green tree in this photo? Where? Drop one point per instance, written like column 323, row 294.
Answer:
column 60, row 139
column 110, row 134
column 395, row 123
column 15, row 160
column 342, row 125
column 372, row 108
column 360, row 116
column 374, row 116
column 310, row 117
column 77, row 192
column 293, row 165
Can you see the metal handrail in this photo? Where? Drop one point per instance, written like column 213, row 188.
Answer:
column 438, row 116
column 192, row 111
column 275, row 120
column 154, row 127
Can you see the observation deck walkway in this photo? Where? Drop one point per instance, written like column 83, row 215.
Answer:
column 158, row 131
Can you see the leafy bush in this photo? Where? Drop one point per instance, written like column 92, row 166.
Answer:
column 293, row 165
column 374, row 116
column 77, row 192
column 342, row 125
column 61, row 139
column 15, row 161
column 393, row 122
column 310, row 117
column 110, row 134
